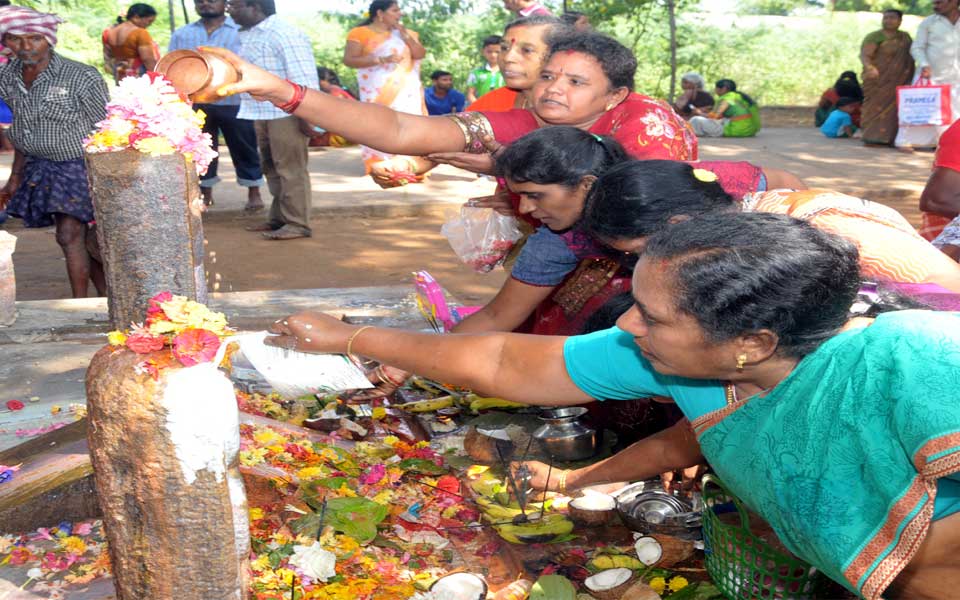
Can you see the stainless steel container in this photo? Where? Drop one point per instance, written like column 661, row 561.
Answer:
column 646, row 508
column 564, row 437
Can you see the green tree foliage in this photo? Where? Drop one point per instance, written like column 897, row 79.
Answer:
column 789, row 7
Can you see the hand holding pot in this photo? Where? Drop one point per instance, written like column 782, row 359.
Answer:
column 261, row 84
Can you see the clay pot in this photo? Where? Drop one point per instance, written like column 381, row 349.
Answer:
column 196, row 74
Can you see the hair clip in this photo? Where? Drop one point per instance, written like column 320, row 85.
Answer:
column 597, row 137
column 705, row 175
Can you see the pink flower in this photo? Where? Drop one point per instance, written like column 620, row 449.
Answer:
column 154, row 312
column 373, row 475
column 83, row 529
column 14, row 405
column 58, row 563
column 20, row 555
column 195, row 346
column 41, row 534
column 144, row 343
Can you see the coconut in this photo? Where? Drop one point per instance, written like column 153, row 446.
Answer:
column 610, row 584
column 461, row 586
column 640, row 591
column 649, row 550
column 592, row 509
column 675, row 550
column 481, row 445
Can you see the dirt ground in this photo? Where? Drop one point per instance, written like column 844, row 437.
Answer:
column 343, row 252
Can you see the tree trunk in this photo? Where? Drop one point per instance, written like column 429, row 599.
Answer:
column 150, row 229
column 672, row 10
column 173, row 16
column 165, row 455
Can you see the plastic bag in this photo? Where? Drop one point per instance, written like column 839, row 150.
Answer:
column 481, row 237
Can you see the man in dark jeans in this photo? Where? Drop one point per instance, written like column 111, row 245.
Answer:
column 215, row 28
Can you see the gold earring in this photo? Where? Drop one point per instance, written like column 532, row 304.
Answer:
column 609, row 106
column 741, row 361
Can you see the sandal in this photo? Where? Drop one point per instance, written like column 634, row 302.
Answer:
column 287, row 233
column 264, row 227
column 252, row 209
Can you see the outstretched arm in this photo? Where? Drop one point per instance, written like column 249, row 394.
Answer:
column 525, row 368
column 366, row 123
column 673, row 448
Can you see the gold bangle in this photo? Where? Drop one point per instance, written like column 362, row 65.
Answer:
column 562, row 484
column 353, row 336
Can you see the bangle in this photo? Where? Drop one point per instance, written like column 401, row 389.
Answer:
column 353, row 336
column 384, row 378
column 562, row 483
column 299, row 93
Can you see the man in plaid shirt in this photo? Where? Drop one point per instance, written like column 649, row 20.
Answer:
column 56, row 103
column 285, row 51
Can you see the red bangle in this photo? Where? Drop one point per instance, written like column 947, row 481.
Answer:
column 299, row 93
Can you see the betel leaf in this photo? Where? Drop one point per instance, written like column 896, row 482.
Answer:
column 420, row 465
column 553, row 587
column 356, row 517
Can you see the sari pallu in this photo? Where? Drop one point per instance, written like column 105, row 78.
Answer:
column 895, row 65
column 843, row 458
column 396, row 85
column 890, row 248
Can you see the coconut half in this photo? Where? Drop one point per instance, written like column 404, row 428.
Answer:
column 609, row 584
column 592, row 509
column 461, row 586
column 649, row 550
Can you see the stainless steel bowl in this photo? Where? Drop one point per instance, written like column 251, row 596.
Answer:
column 644, row 507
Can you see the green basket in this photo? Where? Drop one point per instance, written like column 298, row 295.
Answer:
column 744, row 566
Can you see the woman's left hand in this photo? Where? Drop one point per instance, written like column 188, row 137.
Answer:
column 310, row 331
column 482, row 164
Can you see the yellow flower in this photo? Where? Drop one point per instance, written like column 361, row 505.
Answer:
column 391, row 440
column 262, row 562
column 345, row 492
column 658, row 584
column 379, row 413
column 269, row 437
column 251, row 458
column 384, row 497
column 162, row 327
column 705, row 175
column 308, row 473
column 155, row 146
column 116, row 338
column 73, row 545
column 677, row 583
column 256, row 513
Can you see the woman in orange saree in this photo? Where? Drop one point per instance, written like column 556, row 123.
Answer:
column 387, row 58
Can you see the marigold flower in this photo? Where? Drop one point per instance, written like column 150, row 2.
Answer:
column 658, row 584
column 116, row 338
column 677, row 583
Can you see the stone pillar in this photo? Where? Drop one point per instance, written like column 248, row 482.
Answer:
column 149, row 228
column 165, row 458
column 8, row 282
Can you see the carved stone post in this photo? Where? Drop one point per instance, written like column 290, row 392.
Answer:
column 149, row 228
column 164, row 454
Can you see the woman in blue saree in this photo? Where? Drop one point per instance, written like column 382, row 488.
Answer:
column 843, row 434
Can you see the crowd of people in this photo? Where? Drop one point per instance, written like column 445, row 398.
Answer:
column 808, row 338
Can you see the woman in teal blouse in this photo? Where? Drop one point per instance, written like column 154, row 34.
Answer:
column 844, row 435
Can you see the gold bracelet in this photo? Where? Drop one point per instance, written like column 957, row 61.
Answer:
column 353, row 336
column 562, row 484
